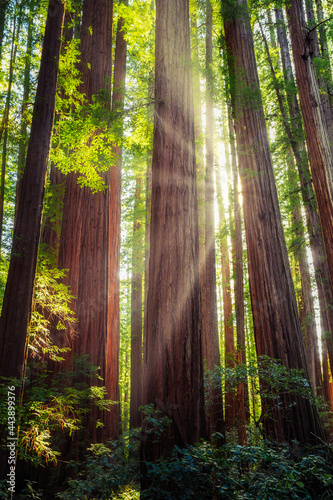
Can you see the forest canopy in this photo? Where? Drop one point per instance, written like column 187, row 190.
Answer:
column 166, row 249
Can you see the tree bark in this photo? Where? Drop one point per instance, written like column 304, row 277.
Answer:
column 86, row 215
column 136, row 311
column 5, row 117
column 295, row 134
column 26, row 93
column 275, row 318
column 112, row 353
column 242, row 401
column 3, row 7
column 319, row 150
column 307, row 313
column 174, row 378
column 16, row 309
column 323, row 81
column 210, row 335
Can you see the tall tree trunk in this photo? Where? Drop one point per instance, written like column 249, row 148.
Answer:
column 242, row 401
column 112, row 354
column 84, row 247
column 136, row 311
column 229, row 343
column 324, row 45
column 295, row 134
column 307, row 313
column 3, row 7
column 16, row 309
column 320, row 156
column 5, row 117
column 323, row 81
column 25, row 101
column 210, row 335
column 174, row 378
column 275, row 317
column 201, row 174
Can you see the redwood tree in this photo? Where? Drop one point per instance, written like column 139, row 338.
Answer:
column 210, row 335
column 17, row 301
column 317, row 137
column 84, row 246
column 276, row 323
column 173, row 375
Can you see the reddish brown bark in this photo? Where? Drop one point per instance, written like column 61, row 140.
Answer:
column 275, row 317
column 19, row 290
column 136, row 311
column 307, row 314
column 242, row 398
column 174, row 380
column 112, row 352
column 16, row 309
column 319, row 150
column 86, row 215
column 295, row 135
column 323, row 81
column 229, row 343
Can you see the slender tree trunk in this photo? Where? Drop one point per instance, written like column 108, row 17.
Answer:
column 275, row 317
column 3, row 7
column 229, row 344
column 210, row 336
column 307, row 312
column 201, row 175
column 5, row 117
column 25, row 101
column 324, row 46
column 18, row 296
column 112, row 354
column 323, row 81
column 320, row 156
column 136, row 311
column 242, row 402
column 174, row 378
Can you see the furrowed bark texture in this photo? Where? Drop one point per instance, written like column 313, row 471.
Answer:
column 174, row 380
column 276, row 323
column 306, row 308
column 319, row 150
column 84, row 246
column 210, row 334
column 296, row 137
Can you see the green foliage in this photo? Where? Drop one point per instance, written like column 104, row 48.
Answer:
column 53, row 410
column 268, row 379
column 106, row 473
column 50, row 308
column 83, row 137
column 266, row 471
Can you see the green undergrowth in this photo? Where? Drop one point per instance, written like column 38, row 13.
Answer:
column 263, row 471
